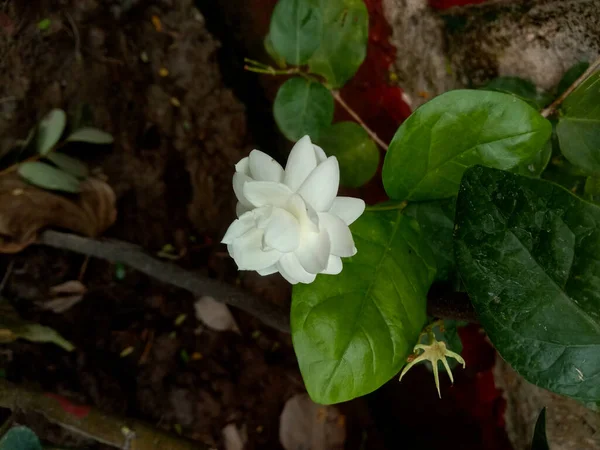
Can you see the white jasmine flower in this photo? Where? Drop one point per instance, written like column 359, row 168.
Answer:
column 290, row 221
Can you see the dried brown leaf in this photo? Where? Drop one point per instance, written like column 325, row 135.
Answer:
column 306, row 425
column 26, row 210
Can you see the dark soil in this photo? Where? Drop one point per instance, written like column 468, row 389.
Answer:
column 177, row 135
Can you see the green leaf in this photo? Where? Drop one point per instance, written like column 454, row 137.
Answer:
column 268, row 43
column 540, row 441
column 528, row 252
column 520, row 88
column 344, row 41
column 355, row 150
column 536, row 165
column 578, row 128
column 50, row 130
column 436, row 220
column 48, row 177
column 20, row 438
column 456, row 130
column 571, row 76
column 91, row 136
column 296, row 30
column 592, row 189
column 69, row 165
column 352, row 332
column 303, row 107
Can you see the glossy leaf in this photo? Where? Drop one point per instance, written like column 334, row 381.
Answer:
column 540, row 441
column 69, row 165
column 355, row 150
column 456, row 130
column 578, row 128
column 50, row 130
column 528, row 253
column 48, row 177
column 536, row 165
column 91, row 136
column 268, row 43
column 436, row 220
column 296, row 30
column 303, row 107
column 344, row 41
column 352, row 332
column 571, row 76
column 20, row 438
column 523, row 89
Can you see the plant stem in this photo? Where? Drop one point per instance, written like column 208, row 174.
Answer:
column 396, row 206
column 118, row 432
column 550, row 110
column 355, row 116
column 198, row 284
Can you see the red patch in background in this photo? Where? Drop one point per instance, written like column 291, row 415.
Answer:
column 79, row 411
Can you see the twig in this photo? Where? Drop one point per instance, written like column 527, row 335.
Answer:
column 104, row 428
column 76, row 36
column 134, row 257
column 355, row 116
column 7, row 274
column 547, row 112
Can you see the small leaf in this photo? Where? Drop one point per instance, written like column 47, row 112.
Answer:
column 352, row 332
column 454, row 131
column 69, row 165
column 571, row 76
column 50, row 130
column 49, row 177
column 356, row 152
column 436, row 221
column 303, row 107
column 578, row 128
column 520, row 88
column 44, row 24
column 295, row 30
column 20, row 438
column 344, row 41
column 527, row 251
column 39, row 333
column 91, row 136
column 279, row 60
column 540, row 441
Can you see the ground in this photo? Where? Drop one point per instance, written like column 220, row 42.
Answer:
column 151, row 74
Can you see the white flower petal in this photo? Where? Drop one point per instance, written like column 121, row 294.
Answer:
column 264, row 168
column 291, row 269
column 348, row 208
column 260, row 193
column 240, row 209
column 306, row 216
column 321, row 186
column 301, row 162
column 283, row 232
column 334, row 265
column 320, row 153
column 340, row 236
column 238, row 228
column 239, row 180
column 268, row 271
column 243, row 166
column 313, row 252
column 248, row 253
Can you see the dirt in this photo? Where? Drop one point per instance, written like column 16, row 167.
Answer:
column 180, row 108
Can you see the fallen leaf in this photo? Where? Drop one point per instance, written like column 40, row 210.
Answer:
column 306, row 425
column 234, row 438
column 65, row 296
column 215, row 315
column 24, row 215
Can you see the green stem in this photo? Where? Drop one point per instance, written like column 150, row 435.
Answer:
column 396, row 206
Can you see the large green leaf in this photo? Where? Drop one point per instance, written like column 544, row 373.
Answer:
column 48, row 177
column 303, row 107
column 352, row 332
column 355, row 150
column 436, row 220
column 50, row 130
column 295, row 30
column 528, row 252
column 534, row 167
column 20, row 438
column 344, row 41
column 578, row 128
column 456, row 130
